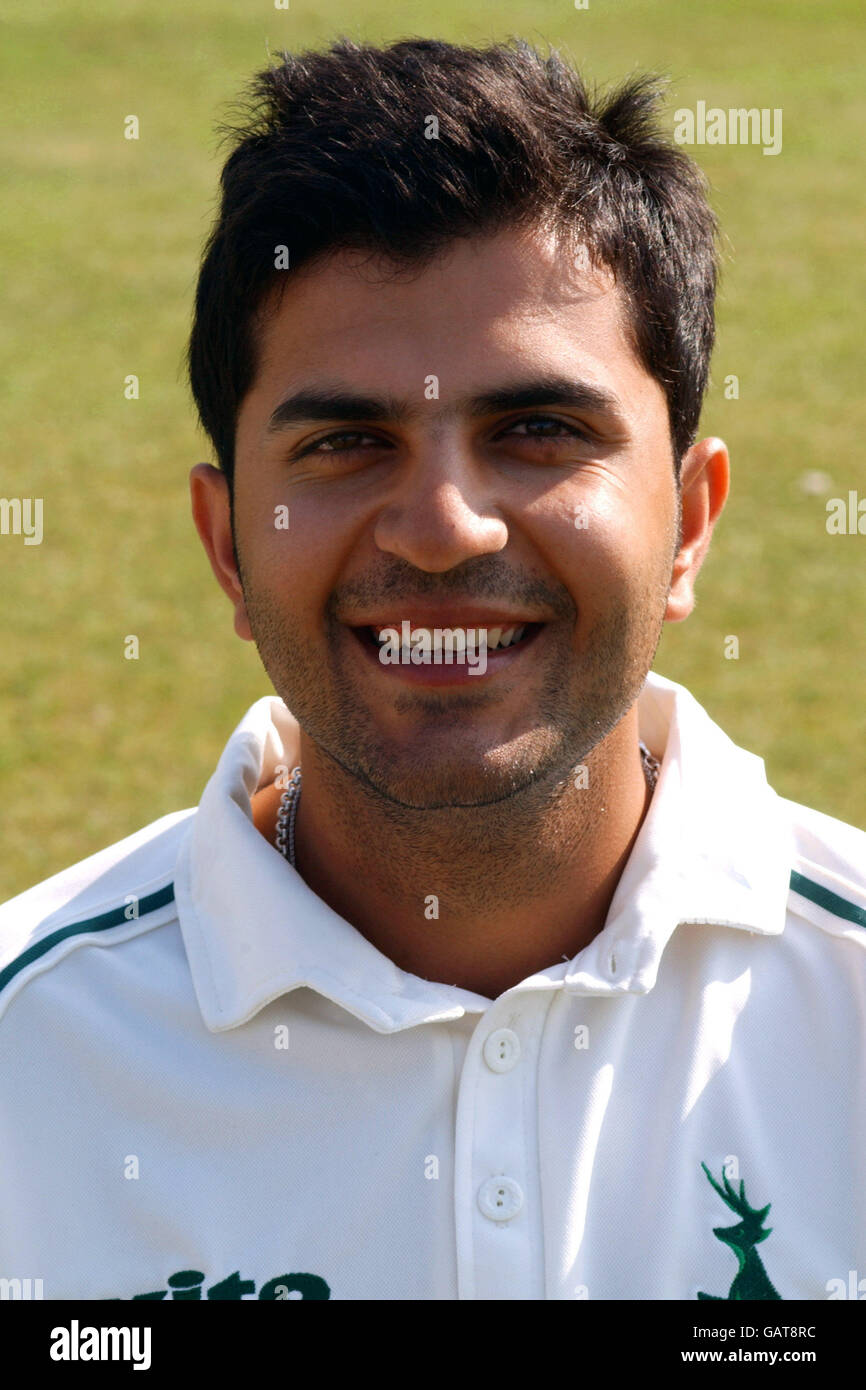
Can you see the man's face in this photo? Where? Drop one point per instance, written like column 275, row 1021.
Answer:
column 516, row 471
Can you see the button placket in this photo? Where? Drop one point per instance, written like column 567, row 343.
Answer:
column 501, row 1197
column 499, row 1220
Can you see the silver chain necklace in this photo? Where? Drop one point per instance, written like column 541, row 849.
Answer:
column 292, row 795
column 288, row 810
column 651, row 765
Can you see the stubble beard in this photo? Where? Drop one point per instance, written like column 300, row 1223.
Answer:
column 582, row 696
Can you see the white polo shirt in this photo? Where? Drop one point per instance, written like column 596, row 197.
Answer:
column 212, row 1086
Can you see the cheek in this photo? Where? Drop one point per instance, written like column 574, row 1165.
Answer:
column 594, row 544
column 290, row 545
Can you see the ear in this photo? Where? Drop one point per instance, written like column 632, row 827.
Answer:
column 705, row 479
column 211, row 512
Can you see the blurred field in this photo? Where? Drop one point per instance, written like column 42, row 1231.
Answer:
column 99, row 240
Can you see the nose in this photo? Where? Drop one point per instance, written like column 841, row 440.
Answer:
column 441, row 515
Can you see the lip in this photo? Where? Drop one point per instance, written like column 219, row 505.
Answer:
column 427, row 673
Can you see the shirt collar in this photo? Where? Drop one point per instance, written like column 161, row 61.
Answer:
column 712, row 849
column 253, row 929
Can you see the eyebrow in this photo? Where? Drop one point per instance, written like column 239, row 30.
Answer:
column 334, row 403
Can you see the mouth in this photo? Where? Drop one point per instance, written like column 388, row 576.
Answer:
column 455, row 655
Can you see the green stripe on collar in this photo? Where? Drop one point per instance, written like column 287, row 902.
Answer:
column 115, row 917
column 831, row 902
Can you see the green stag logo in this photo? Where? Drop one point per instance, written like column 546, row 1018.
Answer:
column 752, row 1280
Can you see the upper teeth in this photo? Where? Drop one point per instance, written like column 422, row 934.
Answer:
column 496, row 636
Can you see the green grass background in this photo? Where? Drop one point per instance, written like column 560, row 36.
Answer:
column 99, row 240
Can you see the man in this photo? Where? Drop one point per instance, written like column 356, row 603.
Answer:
column 488, row 967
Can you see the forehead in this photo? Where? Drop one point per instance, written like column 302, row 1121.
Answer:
column 481, row 309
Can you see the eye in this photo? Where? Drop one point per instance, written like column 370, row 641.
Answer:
column 544, row 427
column 339, row 442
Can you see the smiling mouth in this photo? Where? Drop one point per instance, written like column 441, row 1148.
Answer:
column 498, row 639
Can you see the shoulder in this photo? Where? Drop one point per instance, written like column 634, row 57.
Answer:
column 110, row 897
column 828, row 871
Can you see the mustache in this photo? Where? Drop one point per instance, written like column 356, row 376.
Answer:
column 407, row 584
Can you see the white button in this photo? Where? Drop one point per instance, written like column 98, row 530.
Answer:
column 502, row 1050
column 500, row 1198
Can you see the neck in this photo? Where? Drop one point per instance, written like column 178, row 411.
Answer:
column 479, row 897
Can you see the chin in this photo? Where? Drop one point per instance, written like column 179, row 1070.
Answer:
column 435, row 782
